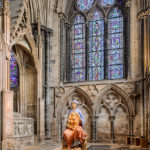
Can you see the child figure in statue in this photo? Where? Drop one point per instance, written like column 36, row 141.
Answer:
column 74, row 132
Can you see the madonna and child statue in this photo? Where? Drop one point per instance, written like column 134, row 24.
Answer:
column 74, row 132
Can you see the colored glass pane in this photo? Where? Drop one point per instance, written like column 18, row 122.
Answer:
column 96, row 47
column 14, row 72
column 106, row 2
column 78, row 49
column 115, row 72
column 115, row 44
column 85, row 4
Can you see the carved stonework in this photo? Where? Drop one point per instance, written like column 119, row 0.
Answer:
column 111, row 100
column 60, row 92
column 23, row 127
column 92, row 90
column 129, row 88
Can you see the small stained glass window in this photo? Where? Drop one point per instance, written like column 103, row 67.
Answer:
column 85, row 4
column 115, row 45
column 96, row 46
column 78, row 49
column 14, row 71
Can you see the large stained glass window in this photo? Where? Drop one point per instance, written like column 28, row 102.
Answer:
column 115, row 45
column 96, row 47
column 78, row 49
column 97, row 36
column 14, row 72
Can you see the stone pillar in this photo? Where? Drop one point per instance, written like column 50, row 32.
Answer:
column 7, row 116
column 42, row 120
column 112, row 118
column 94, row 128
column 46, row 46
column 134, row 41
column 47, row 83
column 62, row 47
column 131, row 125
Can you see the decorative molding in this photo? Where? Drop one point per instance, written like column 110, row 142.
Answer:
column 92, row 90
column 143, row 13
column 23, row 127
column 125, row 99
column 22, row 24
column 59, row 92
column 74, row 92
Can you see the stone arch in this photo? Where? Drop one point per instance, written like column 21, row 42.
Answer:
column 70, row 92
column 126, row 99
column 85, row 105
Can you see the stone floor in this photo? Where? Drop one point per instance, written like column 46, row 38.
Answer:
column 48, row 145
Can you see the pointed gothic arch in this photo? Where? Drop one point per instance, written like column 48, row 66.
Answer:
column 69, row 93
column 126, row 99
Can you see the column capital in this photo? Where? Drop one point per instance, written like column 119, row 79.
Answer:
column 112, row 118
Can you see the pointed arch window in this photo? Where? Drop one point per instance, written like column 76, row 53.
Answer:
column 14, row 72
column 96, row 47
column 98, row 41
column 115, row 45
column 78, row 49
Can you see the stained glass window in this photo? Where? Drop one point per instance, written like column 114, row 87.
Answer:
column 106, row 2
column 85, row 4
column 97, row 50
column 14, row 72
column 78, row 49
column 96, row 47
column 115, row 44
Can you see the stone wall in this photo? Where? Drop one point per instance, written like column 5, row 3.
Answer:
column 107, row 110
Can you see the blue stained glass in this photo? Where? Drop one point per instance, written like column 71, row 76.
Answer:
column 115, row 41
column 115, row 72
column 85, row 4
column 106, row 2
column 78, row 49
column 96, row 46
column 78, row 75
column 96, row 73
column 78, row 60
column 116, row 25
column 14, row 72
column 115, row 57
column 115, row 13
column 115, row 44
column 96, row 59
column 96, row 43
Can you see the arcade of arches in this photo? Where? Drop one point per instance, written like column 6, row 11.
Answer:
column 94, row 51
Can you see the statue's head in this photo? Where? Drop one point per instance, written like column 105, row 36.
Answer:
column 74, row 104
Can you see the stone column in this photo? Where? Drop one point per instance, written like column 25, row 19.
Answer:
column 131, row 125
column 7, row 116
column 134, row 41
column 112, row 118
column 47, row 84
column 62, row 18
column 94, row 128
column 46, row 46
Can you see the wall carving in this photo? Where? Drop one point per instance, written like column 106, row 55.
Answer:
column 111, row 116
column 59, row 92
column 23, row 127
column 92, row 90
